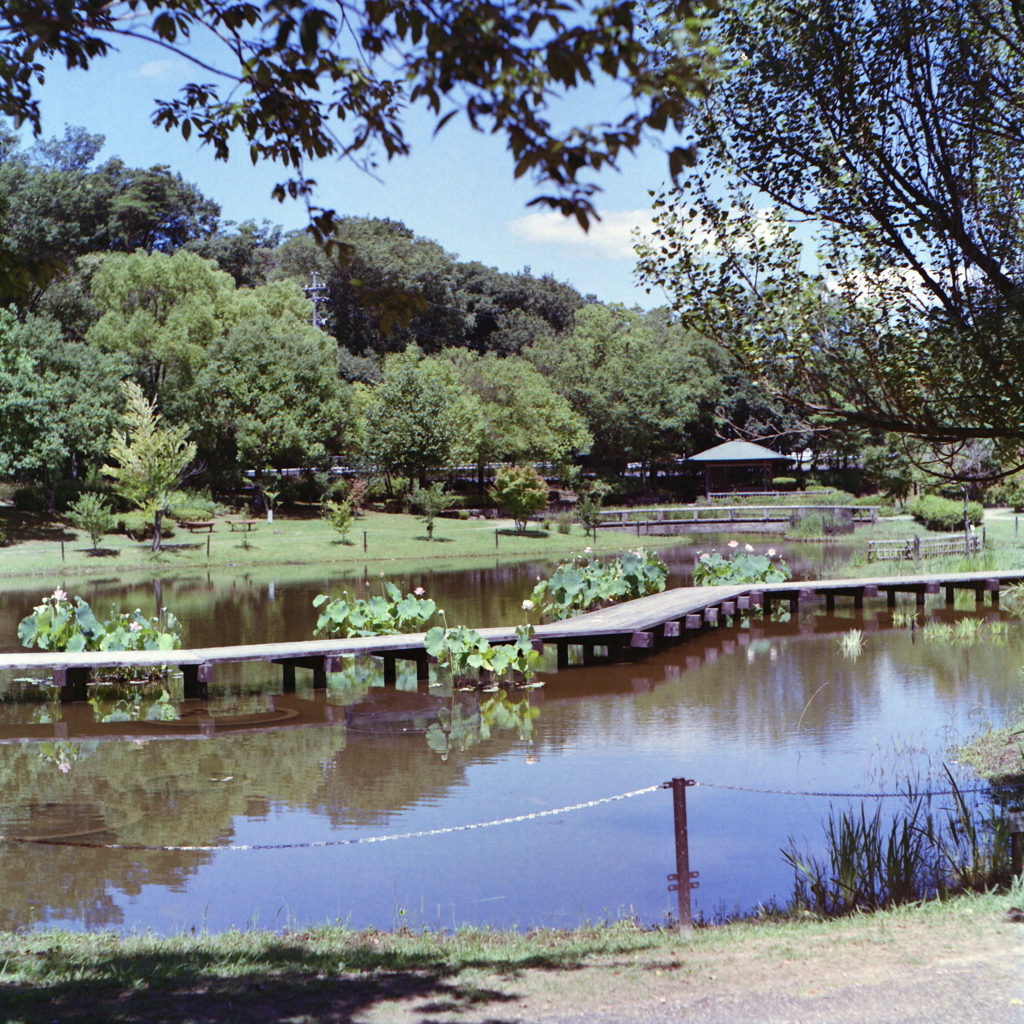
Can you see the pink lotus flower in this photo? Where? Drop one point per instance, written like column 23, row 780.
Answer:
column 59, row 595
column 64, row 766
column 771, row 552
column 734, row 544
column 419, row 591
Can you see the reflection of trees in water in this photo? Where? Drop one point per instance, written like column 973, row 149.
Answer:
column 759, row 693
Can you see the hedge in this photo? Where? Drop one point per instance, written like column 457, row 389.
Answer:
column 937, row 513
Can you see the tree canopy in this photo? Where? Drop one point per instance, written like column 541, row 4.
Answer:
column 854, row 230
column 300, row 79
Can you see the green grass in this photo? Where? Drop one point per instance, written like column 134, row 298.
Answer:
column 333, row 973
column 34, row 547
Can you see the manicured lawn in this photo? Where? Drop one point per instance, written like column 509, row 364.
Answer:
column 34, row 546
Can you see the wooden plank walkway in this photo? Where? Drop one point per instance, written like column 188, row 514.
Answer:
column 636, row 625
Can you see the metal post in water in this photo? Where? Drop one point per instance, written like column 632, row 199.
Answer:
column 207, row 547
column 683, row 875
column 364, row 542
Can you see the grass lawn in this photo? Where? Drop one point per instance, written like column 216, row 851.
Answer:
column 885, row 961
column 34, row 545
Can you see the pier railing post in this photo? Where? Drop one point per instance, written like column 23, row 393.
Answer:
column 683, row 877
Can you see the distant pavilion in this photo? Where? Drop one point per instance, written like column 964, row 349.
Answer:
column 738, row 466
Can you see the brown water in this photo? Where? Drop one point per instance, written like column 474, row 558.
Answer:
column 765, row 706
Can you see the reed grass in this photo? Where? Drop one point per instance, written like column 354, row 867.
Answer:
column 877, row 860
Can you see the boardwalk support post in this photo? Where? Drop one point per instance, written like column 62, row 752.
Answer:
column 195, row 679
column 683, row 875
column 72, row 683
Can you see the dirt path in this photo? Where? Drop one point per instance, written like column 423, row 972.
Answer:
column 913, row 969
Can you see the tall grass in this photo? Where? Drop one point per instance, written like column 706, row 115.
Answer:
column 876, row 860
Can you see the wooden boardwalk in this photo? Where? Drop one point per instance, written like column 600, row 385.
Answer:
column 631, row 626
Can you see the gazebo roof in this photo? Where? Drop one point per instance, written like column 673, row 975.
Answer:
column 738, row 451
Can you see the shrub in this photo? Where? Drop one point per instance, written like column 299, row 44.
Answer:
column 937, row 513
column 563, row 522
column 339, row 517
column 784, row 483
column 519, row 491
column 91, row 514
column 431, row 502
column 30, row 499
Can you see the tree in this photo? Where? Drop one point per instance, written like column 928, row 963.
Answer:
column 299, row 81
column 91, row 514
column 431, row 502
column 418, row 418
column 637, row 385
column 520, row 491
column 524, row 418
column 151, row 460
column 886, row 130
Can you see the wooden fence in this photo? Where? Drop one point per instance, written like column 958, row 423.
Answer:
column 731, row 514
column 914, row 549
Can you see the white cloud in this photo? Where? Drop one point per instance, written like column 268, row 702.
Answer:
column 156, row 68
column 610, row 238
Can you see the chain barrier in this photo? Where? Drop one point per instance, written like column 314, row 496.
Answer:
column 313, row 844
column 336, row 842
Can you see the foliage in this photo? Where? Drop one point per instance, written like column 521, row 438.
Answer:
column 465, row 653
column 290, row 89
column 524, row 418
column 388, row 613
column 713, row 570
column 58, row 625
column 588, row 506
column 135, row 707
column 996, row 754
column 459, row 727
column 431, row 501
column 418, row 418
column 519, row 491
column 884, row 126
column 585, row 584
column 151, row 460
column 638, row 381
column 873, row 863
column 339, row 515
column 92, row 514
column 937, row 513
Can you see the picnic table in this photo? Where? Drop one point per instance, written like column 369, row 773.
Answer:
column 197, row 525
column 242, row 524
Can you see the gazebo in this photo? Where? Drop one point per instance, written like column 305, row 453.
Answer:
column 738, row 466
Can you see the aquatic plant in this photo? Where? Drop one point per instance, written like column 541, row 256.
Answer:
column 901, row 620
column 584, row 584
column 851, row 643
column 712, row 569
column 381, row 615
column 466, row 654
column 873, row 862
column 58, row 625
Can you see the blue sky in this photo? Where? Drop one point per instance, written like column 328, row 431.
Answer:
column 456, row 188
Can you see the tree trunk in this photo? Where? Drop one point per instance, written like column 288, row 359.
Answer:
column 157, row 516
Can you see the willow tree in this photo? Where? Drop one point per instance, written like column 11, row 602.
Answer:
column 152, row 460
column 854, row 231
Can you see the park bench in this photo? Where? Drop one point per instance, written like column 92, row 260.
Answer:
column 198, row 525
column 242, row 524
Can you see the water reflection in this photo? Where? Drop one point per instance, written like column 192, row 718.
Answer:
column 763, row 705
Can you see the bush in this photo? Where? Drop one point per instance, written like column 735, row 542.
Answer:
column 520, row 492
column 784, row 483
column 138, row 525
column 30, row 499
column 944, row 514
column 91, row 514
column 563, row 522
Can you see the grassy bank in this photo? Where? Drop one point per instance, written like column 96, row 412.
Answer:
column 333, row 974
column 34, row 547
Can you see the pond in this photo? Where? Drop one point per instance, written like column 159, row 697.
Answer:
column 762, row 706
